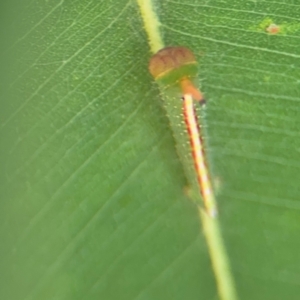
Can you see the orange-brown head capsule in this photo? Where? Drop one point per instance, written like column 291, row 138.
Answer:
column 169, row 59
column 176, row 66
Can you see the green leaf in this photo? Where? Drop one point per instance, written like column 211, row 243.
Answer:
column 92, row 191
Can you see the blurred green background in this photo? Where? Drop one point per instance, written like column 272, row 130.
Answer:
column 92, row 192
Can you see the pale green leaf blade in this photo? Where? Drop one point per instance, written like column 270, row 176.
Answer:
column 92, row 192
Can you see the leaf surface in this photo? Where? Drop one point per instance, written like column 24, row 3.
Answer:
column 92, row 190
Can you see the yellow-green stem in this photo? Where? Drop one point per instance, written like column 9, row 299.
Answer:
column 210, row 225
column 152, row 24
